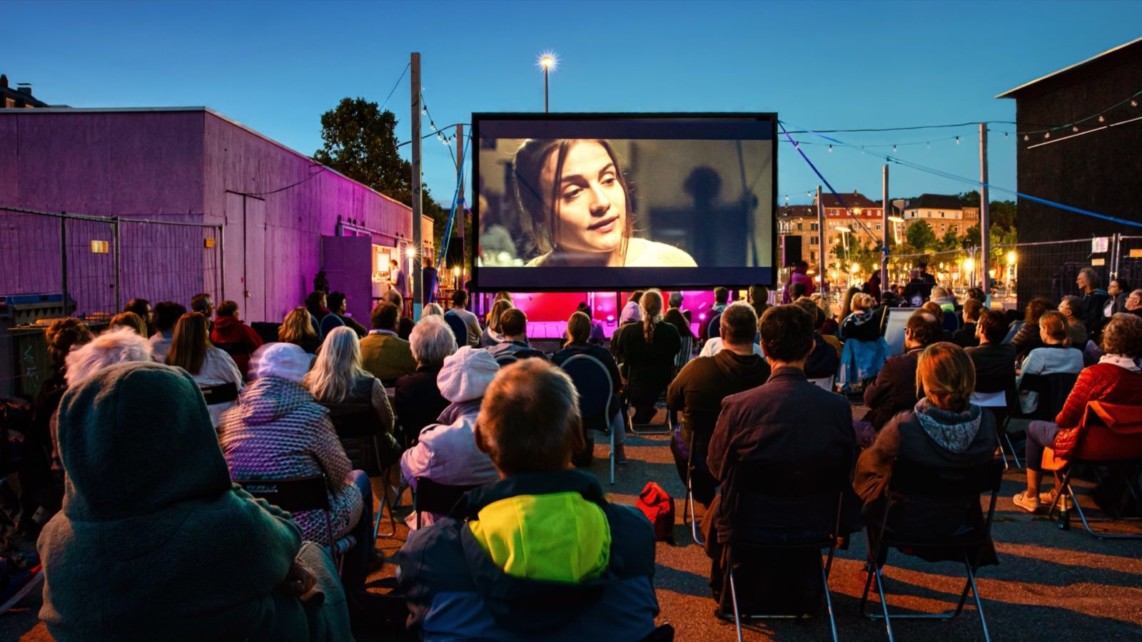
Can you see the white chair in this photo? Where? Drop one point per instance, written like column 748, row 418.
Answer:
column 824, row 383
column 998, row 402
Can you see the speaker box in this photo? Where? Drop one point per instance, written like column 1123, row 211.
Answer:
column 790, row 250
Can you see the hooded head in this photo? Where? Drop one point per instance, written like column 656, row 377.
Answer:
column 285, row 360
column 466, row 374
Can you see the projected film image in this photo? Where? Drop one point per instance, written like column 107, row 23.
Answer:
column 608, row 202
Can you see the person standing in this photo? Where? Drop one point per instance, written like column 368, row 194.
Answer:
column 430, row 281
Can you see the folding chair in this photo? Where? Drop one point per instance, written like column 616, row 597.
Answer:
column 688, row 512
column 506, row 359
column 218, row 394
column 459, row 329
column 357, row 424
column 824, row 383
column 814, row 490
column 1113, row 438
column 998, row 403
column 436, row 498
column 296, row 494
column 954, row 494
column 596, row 389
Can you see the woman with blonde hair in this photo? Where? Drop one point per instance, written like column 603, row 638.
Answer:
column 338, row 377
column 297, row 328
column 492, row 333
column 191, row 350
column 432, row 310
column 863, row 324
column 129, row 320
column 646, row 351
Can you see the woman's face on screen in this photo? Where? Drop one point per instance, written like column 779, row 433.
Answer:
column 590, row 201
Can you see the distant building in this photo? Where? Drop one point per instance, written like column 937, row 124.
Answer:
column 941, row 212
column 863, row 219
column 19, row 98
column 1078, row 142
column 800, row 221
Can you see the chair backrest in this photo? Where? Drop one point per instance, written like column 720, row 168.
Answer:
column 593, row 383
column 437, row 498
column 824, row 383
column 295, row 494
column 788, row 502
column 1053, row 390
column 932, row 505
column 458, row 328
column 506, row 359
column 221, row 393
column 353, row 419
column 685, row 352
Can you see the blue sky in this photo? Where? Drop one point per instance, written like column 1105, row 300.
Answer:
column 276, row 66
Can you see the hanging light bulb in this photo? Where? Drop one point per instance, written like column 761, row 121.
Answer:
column 957, row 140
column 830, row 149
column 1047, row 135
column 1101, row 118
column 1026, row 137
column 1075, row 128
column 1133, row 103
column 894, row 149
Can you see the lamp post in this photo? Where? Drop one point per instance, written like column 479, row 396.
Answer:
column 547, row 62
column 844, row 239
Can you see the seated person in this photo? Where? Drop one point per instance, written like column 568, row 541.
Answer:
column 182, row 554
column 233, row 336
column 338, row 316
column 446, row 452
column 824, row 360
column 1116, row 378
column 994, row 360
column 579, row 331
column 191, row 351
column 1056, row 356
column 966, row 337
column 1072, row 308
column 863, row 324
column 513, row 323
column 492, row 335
column 894, row 388
column 1027, row 337
column 460, row 309
column 646, row 351
column 383, row 353
column 787, row 419
column 943, row 430
column 418, row 400
column 700, row 387
column 542, row 554
column 167, row 314
column 297, row 328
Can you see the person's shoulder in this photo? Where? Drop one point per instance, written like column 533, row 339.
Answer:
column 644, row 253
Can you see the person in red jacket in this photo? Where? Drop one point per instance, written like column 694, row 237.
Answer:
column 233, row 336
column 1116, row 378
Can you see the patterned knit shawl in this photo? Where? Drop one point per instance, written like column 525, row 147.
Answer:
column 953, row 431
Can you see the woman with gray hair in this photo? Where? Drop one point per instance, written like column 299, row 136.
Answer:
column 418, row 400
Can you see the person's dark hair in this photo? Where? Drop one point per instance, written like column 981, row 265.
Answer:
column 635, row 297
column 129, row 320
column 584, row 308
column 1074, row 304
column 738, row 323
column 188, row 348
column 786, row 333
column 801, row 265
column 395, row 298
column 676, row 318
column 924, row 327
column 529, row 419
column 513, row 322
column 674, row 300
column 167, row 314
column 335, row 300
column 384, row 316
column 460, row 297
column 578, row 328
column 814, row 310
column 1122, row 335
column 1091, row 277
column 227, row 309
column 202, row 302
column 847, row 302
column 539, row 220
column 62, row 335
column 1122, row 284
column 976, row 294
column 315, row 303
column 972, row 309
column 992, row 325
column 1035, row 309
column 721, row 295
column 797, row 290
column 889, row 299
column 139, row 307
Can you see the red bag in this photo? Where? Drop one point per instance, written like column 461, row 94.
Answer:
column 658, row 506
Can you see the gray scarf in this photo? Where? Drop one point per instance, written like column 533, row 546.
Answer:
column 953, row 431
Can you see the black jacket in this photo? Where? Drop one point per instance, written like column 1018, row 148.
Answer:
column 894, row 388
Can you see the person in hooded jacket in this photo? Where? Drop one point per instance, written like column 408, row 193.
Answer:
column 154, row 542
column 541, row 554
column 234, row 337
column 943, row 430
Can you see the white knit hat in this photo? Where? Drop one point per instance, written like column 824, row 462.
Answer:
column 466, row 374
column 284, row 360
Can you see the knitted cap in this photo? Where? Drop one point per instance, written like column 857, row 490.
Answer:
column 466, row 374
column 284, row 360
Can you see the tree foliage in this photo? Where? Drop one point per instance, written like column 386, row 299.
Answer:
column 921, row 236
column 1001, row 213
column 360, row 142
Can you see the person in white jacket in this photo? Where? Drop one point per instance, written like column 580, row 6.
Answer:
column 192, row 351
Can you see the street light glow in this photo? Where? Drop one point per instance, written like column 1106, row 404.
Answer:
column 548, row 60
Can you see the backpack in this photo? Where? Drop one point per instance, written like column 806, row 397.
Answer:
column 658, row 506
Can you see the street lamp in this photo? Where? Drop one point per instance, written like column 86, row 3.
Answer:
column 844, row 239
column 895, row 230
column 547, row 62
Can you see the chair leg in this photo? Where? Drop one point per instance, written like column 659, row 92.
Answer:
column 384, row 501
column 883, row 602
column 693, row 517
column 978, row 602
column 613, row 428
column 828, row 598
column 1011, row 447
column 734, row 599
column 1003, row 454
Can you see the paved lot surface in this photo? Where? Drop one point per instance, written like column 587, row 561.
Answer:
column 1050, row 584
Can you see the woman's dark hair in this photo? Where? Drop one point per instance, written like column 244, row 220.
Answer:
column 188, row 349
column 167, row 313
column 226, row 309
column 1035, row 309
column 578, row 328
column 786, row 333
column 539, row 221
column 847, row 302
column 315, row 303
column 335, row 300
column 992, row 325
column 62, row 335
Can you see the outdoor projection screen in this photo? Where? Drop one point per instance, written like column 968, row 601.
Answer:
column 624, row 201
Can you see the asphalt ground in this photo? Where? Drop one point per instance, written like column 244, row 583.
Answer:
column 1050, row 584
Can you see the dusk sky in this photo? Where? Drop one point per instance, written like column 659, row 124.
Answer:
column 276, row 66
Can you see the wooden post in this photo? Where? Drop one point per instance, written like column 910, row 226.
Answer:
column 415, row 274
column 984, row 218
column 884, row 236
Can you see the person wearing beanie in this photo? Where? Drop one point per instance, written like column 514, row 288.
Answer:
column 446, row 451
column 154, row 542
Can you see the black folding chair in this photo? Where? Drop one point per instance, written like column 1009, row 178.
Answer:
column 595, row 387
column 296, row 494
column 221, row 393
column 506, row 359
column 360, row 433
column 436, row 498
column 813, row 493
column 951, row 493
column 688, row 512
column 459, row 329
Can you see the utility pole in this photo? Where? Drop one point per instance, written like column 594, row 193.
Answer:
column 884, row 236
column 822, row 264
column 460, row 209
column 984, row 218
column 415, row 276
